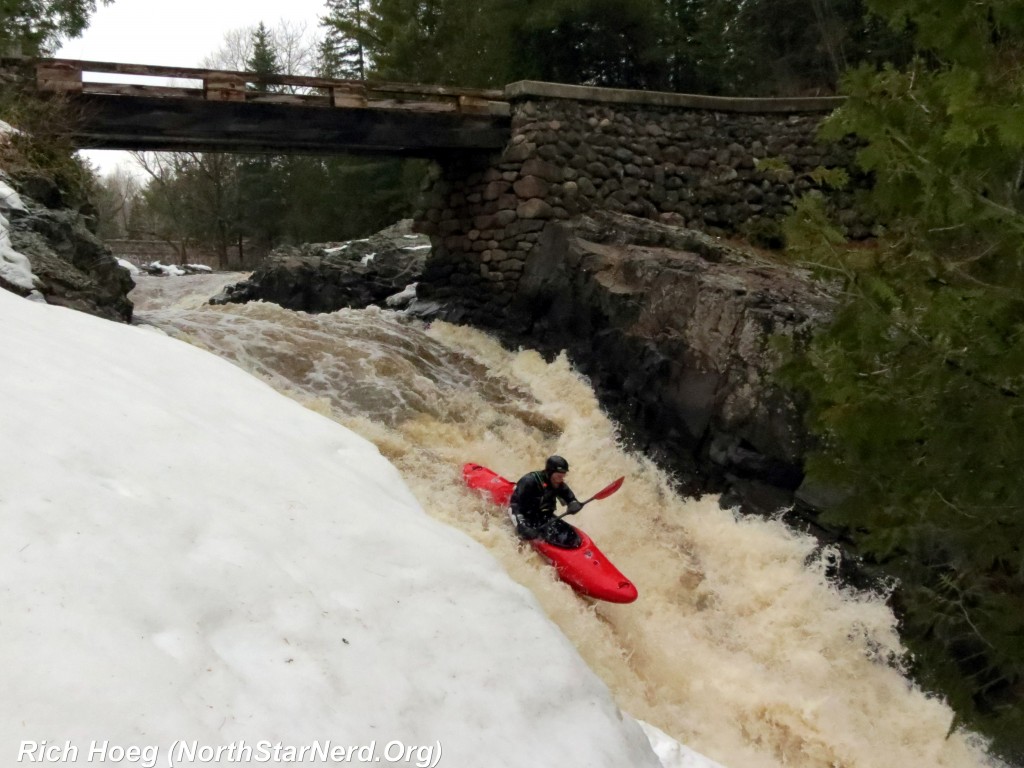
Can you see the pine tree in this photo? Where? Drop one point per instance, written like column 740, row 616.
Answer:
column 917, row 387
column 259, row 177
column 343, row 50
column 263, row 60
column 36, row 27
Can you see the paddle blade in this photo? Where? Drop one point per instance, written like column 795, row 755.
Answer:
column 606, row 492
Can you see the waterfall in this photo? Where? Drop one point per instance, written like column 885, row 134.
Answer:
column 738, row 646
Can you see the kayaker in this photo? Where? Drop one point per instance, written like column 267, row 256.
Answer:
column 532, row 506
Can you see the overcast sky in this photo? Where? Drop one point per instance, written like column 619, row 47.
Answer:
column 180, row 33
column 176, row 34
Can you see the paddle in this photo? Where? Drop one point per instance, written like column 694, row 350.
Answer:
column 604, row 493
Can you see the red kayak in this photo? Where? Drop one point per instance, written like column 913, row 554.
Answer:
column 584, row 568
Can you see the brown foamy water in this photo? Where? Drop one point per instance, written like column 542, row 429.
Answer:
column 738, row 645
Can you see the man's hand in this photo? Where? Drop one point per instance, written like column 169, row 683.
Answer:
column 527, row 533
column 523, row 530
column 574, row 507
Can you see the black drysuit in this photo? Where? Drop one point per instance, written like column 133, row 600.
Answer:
column 532, row 507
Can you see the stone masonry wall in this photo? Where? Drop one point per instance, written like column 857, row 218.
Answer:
column 719, row 165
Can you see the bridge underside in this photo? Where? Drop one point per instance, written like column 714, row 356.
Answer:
column 189, row 125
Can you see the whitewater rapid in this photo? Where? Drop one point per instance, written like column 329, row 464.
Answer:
column 738, row 646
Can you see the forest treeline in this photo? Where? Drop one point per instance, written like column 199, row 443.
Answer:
column 726, row 47
column 914, row 392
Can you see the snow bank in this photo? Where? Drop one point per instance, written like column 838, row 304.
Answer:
column 130, row 267
column 15, row 267
column 191, row 556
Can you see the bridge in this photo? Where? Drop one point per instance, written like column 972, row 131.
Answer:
column 228, row 111
column 207, row 110
column 508, row 162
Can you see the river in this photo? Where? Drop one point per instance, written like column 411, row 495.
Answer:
column 738, row 646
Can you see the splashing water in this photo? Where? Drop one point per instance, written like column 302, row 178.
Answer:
column 738, row 646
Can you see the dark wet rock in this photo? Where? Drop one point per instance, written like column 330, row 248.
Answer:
column 678, row 332
column 75, row 269
column 325, row 277
column 41, row 189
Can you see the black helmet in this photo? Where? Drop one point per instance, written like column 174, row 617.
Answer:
column 556, row 464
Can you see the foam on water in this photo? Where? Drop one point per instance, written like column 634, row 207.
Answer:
column 738, row 646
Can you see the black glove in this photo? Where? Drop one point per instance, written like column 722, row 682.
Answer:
column 523, row 530
column 527, row 533
column 574, row 507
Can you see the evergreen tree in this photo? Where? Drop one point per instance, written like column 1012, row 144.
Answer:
column 757, row 47
column 343, row 50
column 328, row 61
column 916, row 388
column 600, row 42
column 42, row 145
column 693, row 48
column 339, row 198
column 406, row 39
column 798, row 47
column 260, row 176
column 36, row 27
column 263, row 60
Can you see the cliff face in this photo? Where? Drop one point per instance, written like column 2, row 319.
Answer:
column 677, row 332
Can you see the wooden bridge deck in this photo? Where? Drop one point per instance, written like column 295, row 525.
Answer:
column 228, row 111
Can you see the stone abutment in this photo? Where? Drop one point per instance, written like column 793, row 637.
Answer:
column 721, row 165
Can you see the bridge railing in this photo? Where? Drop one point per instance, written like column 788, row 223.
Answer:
column 66, row 76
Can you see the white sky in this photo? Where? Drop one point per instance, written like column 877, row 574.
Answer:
column 174, row 34
column 189, row 554
column 180, row 33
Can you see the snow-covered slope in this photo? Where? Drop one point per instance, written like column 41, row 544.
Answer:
column 188, row 555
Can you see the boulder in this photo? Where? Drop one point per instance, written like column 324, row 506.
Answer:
column 74, row 268
column 325, row 277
